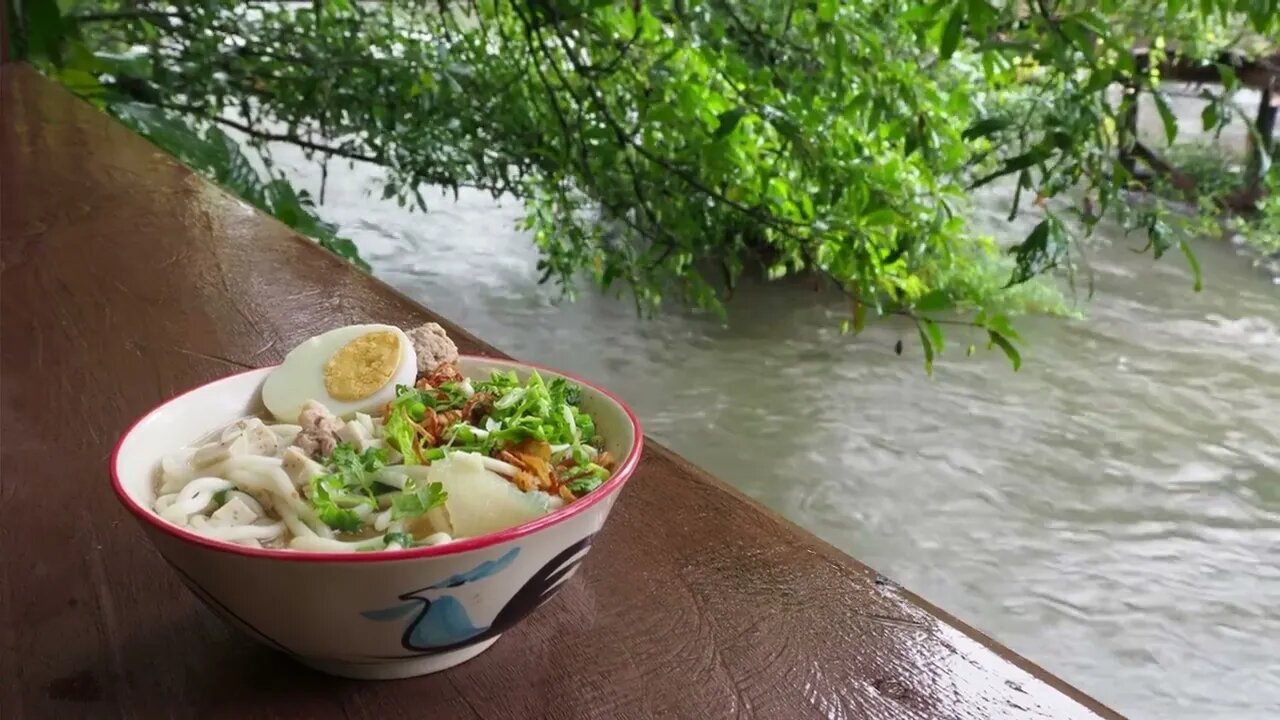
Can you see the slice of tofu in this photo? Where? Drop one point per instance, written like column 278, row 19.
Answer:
column 234, row 512
column 300, row 467
column 357, row 434
column 216, row 452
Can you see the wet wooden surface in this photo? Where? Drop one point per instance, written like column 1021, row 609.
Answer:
column 126, row 279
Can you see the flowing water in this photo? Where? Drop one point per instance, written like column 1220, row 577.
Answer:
column 1112, row 511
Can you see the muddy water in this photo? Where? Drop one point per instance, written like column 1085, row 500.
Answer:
column 1111, row 511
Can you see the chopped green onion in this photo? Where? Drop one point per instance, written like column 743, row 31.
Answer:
column 417, row 410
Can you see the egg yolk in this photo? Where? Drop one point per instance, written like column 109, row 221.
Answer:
column 363, row 366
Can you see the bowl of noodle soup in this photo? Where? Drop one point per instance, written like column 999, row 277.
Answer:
column 345, row 579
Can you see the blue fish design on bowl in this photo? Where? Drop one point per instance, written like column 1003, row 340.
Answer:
column 439, row 621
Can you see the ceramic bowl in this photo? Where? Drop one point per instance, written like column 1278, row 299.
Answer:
column 375, row 615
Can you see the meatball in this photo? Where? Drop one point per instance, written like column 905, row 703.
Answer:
column 432, row 346
column 320, row 428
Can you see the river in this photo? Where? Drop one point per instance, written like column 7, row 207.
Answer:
column 1112, row 511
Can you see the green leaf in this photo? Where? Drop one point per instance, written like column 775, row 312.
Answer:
column 1166, row 116
column 927, row 344
column 881, row 217
column 417, row 499
column 45, row 30
column 935, row 334
column 349, row 485
column 82, row 83
column 1073, row 29
column 327, row 491
column 951, row 33
column 1034, row 156
column 1209, row 116
column 1207, row 7
column 404, row 540
column 1192, row 262
column 728, row 122
column 589, row 477
column 135, row 64
column 979, row 13
column 1040, row 252
column 1159, row 237
column 986, row 127
column 1000, row 323
column 935, row 301
column 1227, row 76
column 1009, row 350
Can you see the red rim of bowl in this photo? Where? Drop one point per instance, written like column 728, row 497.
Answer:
column 611, row 486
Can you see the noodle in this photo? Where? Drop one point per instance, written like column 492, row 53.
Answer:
column 194, row 498
column 236, row 533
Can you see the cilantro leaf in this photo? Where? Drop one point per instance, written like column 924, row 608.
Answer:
column 357, row 469
column 402, row 540
column 563, row 391
column 326, row 492
column 417, row 499
column 348, row 485
column 344, row 458
column 448, row 396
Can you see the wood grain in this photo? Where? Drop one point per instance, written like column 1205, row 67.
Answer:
column 125, row 279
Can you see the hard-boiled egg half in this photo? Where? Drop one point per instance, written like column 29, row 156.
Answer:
column 348, row 370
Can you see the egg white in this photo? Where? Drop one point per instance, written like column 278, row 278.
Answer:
column 301, row 376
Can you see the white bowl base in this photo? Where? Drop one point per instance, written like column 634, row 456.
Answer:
column 399, row 669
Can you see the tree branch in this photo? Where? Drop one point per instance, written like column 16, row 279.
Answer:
column 275, row 137
column 1177, row 178
column 689, row 178
column 95, row 17
column 532, row 30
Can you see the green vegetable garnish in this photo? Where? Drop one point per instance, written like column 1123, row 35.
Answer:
column 328, row 496
column 416, row 500
column 584, row 479
column 357, row 469
column 411, row 406
column 547, row 411
column 454, row 397
column 417, row 410
column 537, row 410
column 397, row 428
column 404, row 540
column 348, row 485
column 220, row 497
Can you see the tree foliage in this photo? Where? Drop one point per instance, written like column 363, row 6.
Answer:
column 667, row 148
